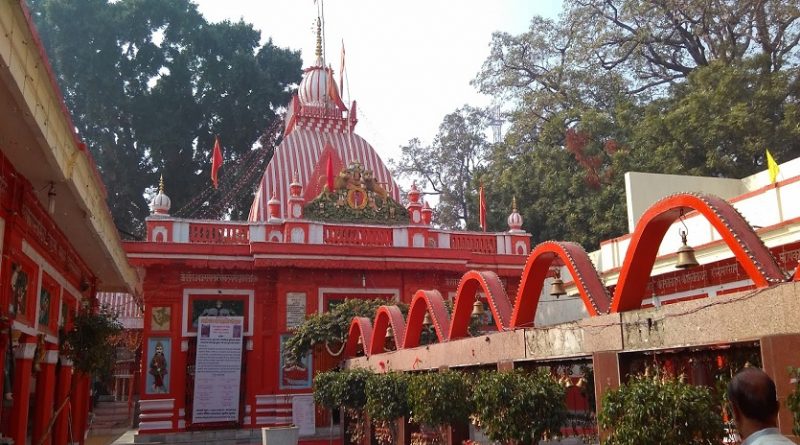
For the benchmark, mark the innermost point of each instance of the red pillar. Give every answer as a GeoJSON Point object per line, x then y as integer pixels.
{"type": "Point", "coordinates": [18, 424]}
{"type": "Point", "coordinates": [80, 407]}
{"type": "Point", "coordinates": [45, 392]}
{"type": "Point", "coordinates": [60, 430]}
{"type": "Point", "coordinates": [778, 353]}
{"type": "Point", "coordinates": [606, 377]}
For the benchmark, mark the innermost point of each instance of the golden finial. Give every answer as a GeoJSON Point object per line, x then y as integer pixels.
{"type": "Point", "coordinates": [513, 204]}
{"type": "Point", "coordinates": [319, 39]}
{"type": "Point", "coordinates": [161, 184]}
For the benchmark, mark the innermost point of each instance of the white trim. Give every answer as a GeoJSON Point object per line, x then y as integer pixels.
{"type": "Point", "coordinates": [179, 256]}
{"type": "Point", "coordinates": [250, 293]}
{"type": "Point", "coordinates": [353, 290]}
{"type": "Point", "coordinates": [358, 258]}
{"type": "Point", "coordinates": [28, 250]}
{"type": "Point", "coordinates": [25, 329]}
{"type": "Point", "coordinates": [495, 266]}
{"type": "Point", "coordinates": [156, 404]}
{"type": "Point", "coordinates": [25, 351]}
{"type": "Point", "coordinates": [50, 357]}
{"type": "Point", "coordinates": [146, 426]}
{"type": "Point", "coordinates": [38, 298]}
{"type": "Point", "coordinates": [65, 361]}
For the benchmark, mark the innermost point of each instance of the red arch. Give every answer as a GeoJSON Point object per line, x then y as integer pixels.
{"type": "Point", "coordinates": [490, 284]}
{"type": "Point", "coordinates": [591, 289]}
{"type": "Point", "coordinates": [748, 248]}
{"type": "Point", "coordinates": [426, 301]}
{"type": "Point", "coordinates": [385, 317]}
{"type": "Point", "coordinates": [360, 328]}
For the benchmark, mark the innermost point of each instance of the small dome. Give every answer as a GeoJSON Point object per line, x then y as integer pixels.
{"type": "Point", "coordinates": [313, 90]}
{"type": "Point", "coordinates": [514, 219]}
{"type": "Point", "coordinates": [413, 194]}
{"type": "Point", "coordinates": [161, 202]}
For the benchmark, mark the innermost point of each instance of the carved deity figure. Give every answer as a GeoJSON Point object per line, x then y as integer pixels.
{"type": "Point", "coordinates": [158, 369]}
{"type": "Point", "coordinates": [19, 290]}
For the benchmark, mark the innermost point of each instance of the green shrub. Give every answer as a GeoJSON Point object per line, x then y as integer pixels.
{"type": "Point", "coordinates": [658, 410]}
{"type": "Point", "coordinates": [439, 398]}
{"type": "Point", "coordinates": [519, 406]}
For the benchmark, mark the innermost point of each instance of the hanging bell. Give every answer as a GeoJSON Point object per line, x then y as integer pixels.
{"type": "Point", "coordinates": [427, 322]}
{"type": "Point", "coordinates": [581, 382]}
{"type": "Point", "coordinates": [389, 333]}
{"type": "Point", "coordinates": [557, 287]}
{"type": "Point", "coordinates": [568, 383]}
{"type": "Point", "coordinates": [477, 309]}
{"type": "Point", "coordinates": [686, 257]}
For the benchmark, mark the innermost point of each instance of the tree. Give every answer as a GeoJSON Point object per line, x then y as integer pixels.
{"type": "Point", "coordinates": [614, 86]}
{"type": "Point", "coordinates": [150, 83]}
{"type": "Point", "coordinates": [658, 409]}
{"type": "Point", "coordinates": [450, 165]}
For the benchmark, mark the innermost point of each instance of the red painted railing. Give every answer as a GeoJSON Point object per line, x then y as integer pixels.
{"type": "Point", "coordinates": [473, 242]}
{"type": "Point", "coordinates": [217, 233]}
{"type": "Point", "coordinates": [358, 236]}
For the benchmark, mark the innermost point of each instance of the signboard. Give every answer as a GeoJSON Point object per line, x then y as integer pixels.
{"type": "Point", "coordinates": [295, 309]}
{"type": "Point", "coordinates": [218, 369]}
{"type": "Point", "coordinates": [303, 414]}
{"type": "Point", "coordinates": [294, 375]}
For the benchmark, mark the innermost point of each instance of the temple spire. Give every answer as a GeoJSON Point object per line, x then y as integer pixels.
{"type": "Point", "coordinates": [161, 184]}
{"type": "Point", "coordinates": [318, 51]}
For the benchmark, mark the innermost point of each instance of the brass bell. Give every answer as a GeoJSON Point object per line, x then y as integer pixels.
{"type": "Point", "coordinates": [557, 287]}
{"type": "Point", "coordinates": [686, 257]}
{"type": "Point", "coordinates": [477, 309]}
{"type": "Point", "coordinates": [568, 382]}
{"type": "Point", "coordinates": [581, 382]}
{"type": "Point", "coordinates": [427, 322]}
{"type": "Point", "coordinates": [389, 333]}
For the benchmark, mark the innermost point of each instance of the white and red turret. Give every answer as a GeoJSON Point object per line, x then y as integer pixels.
{"type": "Point", "coordinates": [514, 219]}
{"type": "Point", "coordinates": [161, 202]}
{"type": "Point", "coordinates": [414, 206]}
{"type": "Point", "coordinates": [296, 199]}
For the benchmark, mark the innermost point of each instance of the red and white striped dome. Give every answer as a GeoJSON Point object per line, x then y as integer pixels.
{"type": "Point", "coordinates": [313, 90]}
{"type": "Point", "coordinates": [514, 219]}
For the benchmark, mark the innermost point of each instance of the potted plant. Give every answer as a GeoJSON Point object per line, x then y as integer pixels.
{"type": "Point", "coordinates": [387, 401]}
{"type": "Point", "coordinates": [437, 399]}
{"type": "Point", "coordinates": [518, 407]}
{"type": "Point", "coordinates": [793, 400]}
{"type": "Point", "coordinates": [660, 409]}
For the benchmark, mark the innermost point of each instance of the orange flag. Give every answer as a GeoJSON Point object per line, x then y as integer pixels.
{"type": "Point", "coordinates": [482, 208]}
{"type": "Point", "coordinates": [216, 161]}
{"type": "Point", "coordinates": [333, 93]}
{"type": "Point", "coordinates": [341, 72]}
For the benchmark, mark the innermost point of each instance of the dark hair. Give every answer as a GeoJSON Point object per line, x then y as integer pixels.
{"type": "Point", "coordinates": [752, 391]}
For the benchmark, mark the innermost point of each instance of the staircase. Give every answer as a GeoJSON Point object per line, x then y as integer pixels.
{"type": "Point", "coordinates": [110, 418]}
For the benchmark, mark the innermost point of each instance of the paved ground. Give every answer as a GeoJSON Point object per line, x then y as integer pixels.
{"type": "Point", "coordinates": [121, 439]}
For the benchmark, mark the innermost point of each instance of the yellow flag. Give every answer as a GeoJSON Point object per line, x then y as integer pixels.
{"type": "Point", "coordinates": [773, 168]}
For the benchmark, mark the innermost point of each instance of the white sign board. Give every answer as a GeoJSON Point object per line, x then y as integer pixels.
{"type": "Point", "coordinates": [218, 369]}
{"type": "Point", "coordinates": [303, 414]}
{"type": "Point", "coordinates": [295, 309]}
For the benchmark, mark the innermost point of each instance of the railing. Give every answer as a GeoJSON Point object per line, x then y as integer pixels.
{"type": "Point", "coordinates": [473, 243]}
{"type": "Point", "coordinates": [219, 233]}
{"type": "Point", "coordinates": [358, 236]}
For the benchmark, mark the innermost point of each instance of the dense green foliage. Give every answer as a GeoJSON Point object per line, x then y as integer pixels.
{"type": "Point", "coordinates": [91, 342]}
{"type": "Point", "coordinates": [329, 327]}
{"type": "Point", "coordinates": [439, 398]}
{"type": "Point", "coordinates": [149, 83]}
{"type": "Point", "coordinates": [655, 410]}
{"type": "Point", "coordinates": [613, 86]}
{"type": "Point", "coordinates": [519, 406]}
{"type": "Point", "coordinates": [387, 396]}
{"type": "Point", "coordinates": [793, 400]}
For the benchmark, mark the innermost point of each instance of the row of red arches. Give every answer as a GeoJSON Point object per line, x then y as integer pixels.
{"type": "Point", "coordinates": [757, 261]}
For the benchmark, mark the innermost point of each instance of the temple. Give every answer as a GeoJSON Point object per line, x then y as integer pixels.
{"type": "Point", "coordinates": [327, 224]}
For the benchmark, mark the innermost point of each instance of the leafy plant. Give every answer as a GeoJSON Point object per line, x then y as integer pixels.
{"type": "Point", "coordinates": [439, 398]}
{"type": "Point", "coordinates": [519, 406]}
{"type": "Point", "coordinates": [793, 400]}
{"type": "Point", "coordinates": [655, 410]}
{"type": "Point", "coordinates": [328, 327]}
{"type": "Point", "coordinates": [387, 400]}
{"type": "Point", "coordinates": [344, 389]}
{"type": "Point", "coordinates": [91, 341]}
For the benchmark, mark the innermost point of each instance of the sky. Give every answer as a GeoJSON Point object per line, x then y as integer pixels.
{"type": "Point", "coordinates": [408, 63]}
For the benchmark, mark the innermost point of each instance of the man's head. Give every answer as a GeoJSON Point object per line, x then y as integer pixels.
{"type": "Point", "coordinates": [753, 398]}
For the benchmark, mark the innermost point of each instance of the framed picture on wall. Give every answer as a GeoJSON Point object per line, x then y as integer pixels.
{"type": "Point", "coordinates": [48, 303]}
{"type": "Point", "coordinates": [294, 375]}
{"type": "Point", "coordinates": [159, 352]}
{"type": "Point", "coordinates": [22, 283]}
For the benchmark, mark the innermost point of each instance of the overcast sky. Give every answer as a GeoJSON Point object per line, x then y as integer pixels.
{"type": "Point", "coordinates": [409, 63]}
